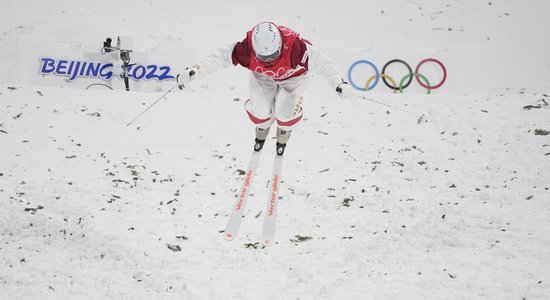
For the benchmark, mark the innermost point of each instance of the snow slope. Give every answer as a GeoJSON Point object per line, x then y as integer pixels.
{"type": "Point", "coordinates": [442, 196]}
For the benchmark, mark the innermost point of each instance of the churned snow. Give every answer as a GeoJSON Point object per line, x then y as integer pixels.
{"type": "Point", "coordinates": [442, 196]}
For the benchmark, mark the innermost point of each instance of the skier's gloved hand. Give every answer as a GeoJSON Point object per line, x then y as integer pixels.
{"type": "Point", "coordinates": [187, 75]}
{"type": "Point", "coordinates": [345, 90]}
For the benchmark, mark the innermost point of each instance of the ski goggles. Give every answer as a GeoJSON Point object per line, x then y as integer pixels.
{"type": "Point", "coordinates": [269, 58]}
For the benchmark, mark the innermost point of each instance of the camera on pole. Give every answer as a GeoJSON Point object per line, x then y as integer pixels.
{"type": "Point", "coordinates": [124, 56]}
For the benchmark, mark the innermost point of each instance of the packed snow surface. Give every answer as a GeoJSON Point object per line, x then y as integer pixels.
{"type": "Point", "coordinates": [384, 196]}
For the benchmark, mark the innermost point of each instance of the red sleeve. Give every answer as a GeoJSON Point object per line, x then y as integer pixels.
{"type": "Point", "coordinates": [241, 53]}
{"type": "Point", "coordinates": [299, 49]}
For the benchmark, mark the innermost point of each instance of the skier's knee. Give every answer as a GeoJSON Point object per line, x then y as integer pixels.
{"type": "Point", "coordinates": [288, 124]}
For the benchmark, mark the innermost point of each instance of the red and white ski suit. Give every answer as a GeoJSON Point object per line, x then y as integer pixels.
{"type": "Point", "coordinates": [277, 88]}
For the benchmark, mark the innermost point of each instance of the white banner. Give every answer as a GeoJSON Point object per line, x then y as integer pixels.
{"type": "Point", "coordinates": [81, 62]}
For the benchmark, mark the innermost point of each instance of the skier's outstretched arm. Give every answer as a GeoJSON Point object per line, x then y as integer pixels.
{"type": "Point", "coordinates": [220, 59]}
{"type": "Point", "coordinates": [320, 64]}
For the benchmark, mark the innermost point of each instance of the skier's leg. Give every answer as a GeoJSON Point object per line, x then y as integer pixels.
{"type": "Point", "coordinates": [259, 107]}
{"type": "Point", "coordinates": [288, 108]}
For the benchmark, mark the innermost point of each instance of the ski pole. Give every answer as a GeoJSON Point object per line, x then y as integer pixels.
{"type": "Point", "coordinates": [161, 97]}
{"type": "Point", "coordinates": [391, 106]}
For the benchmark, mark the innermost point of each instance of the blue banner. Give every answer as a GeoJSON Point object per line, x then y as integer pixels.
{"type": "Point", "coordinates": [89, 69]}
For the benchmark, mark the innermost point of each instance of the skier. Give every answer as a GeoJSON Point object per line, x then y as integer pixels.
{"type": "Point", "coordinates": [281, 62]}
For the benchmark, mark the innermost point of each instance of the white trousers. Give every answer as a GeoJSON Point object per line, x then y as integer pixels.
{"type": "Point", "coordinates": [279, 101]}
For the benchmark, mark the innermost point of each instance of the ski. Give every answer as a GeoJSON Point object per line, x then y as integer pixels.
{"type": "Point", "coordinates": [268, 230]}
{"type": "Point", "coordinates": [236, 214]}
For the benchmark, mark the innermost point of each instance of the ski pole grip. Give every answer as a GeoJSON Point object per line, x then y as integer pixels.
{"type": "Point", "coordinates": [339, 86]}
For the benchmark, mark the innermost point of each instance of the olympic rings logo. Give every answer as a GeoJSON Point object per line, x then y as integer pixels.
{"type": "Point", "coordinates": [393, 84]}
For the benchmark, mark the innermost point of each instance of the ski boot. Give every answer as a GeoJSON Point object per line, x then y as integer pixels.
{"type": "Point", "coordinates": [261, 135]}
{"type": "Point", "coordinates": [282, 139]}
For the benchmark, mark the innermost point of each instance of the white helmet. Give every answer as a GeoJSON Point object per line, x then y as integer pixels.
{"type": "Point", "coordinates": [266, 41]}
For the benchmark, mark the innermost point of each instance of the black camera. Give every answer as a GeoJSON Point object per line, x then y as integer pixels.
{"type": "Point", "coordinates": [107, 45]}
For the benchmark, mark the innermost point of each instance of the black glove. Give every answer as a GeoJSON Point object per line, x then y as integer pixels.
{"type": "Point", "coordinates": [345, 90]}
